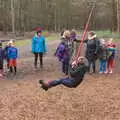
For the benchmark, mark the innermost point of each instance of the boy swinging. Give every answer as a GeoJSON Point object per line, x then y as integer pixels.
{"type": "Point", "coordinates": [77, 72]}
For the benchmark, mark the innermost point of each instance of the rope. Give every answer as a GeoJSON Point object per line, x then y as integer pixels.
{"type": "Point", "coordinates": [84, 35]}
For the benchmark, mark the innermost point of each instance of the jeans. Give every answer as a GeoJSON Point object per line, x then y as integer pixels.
{"type": "Point", "coordinates": [36, 59]}
{"type": "Point", "coordinates": [65, 67]}
{"type": "Point", "coordinates": [103, 64]}
{"type": "Point", "coordinates": [93, 64]}
{"type": "Point", "coordinates": [65, 81]}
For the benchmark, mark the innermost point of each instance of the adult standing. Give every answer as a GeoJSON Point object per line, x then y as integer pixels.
{"type": "Point", "coordinates": [38, 47]}
{"type": "Point", "coordinates": [92, 51]}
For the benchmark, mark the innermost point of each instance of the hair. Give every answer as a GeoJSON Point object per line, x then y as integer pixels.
{"type": "Point", "coordinates": [73, 32]}
{"type": "Point", "coordinates": [39, 31]}
{"type": "Point", "coordinates": [92, 33]}
{"type": "Point", "coordinates": [66, 33]}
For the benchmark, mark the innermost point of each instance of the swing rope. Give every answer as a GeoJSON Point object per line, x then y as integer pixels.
{"type": "Point", "coordinates": [84, 35]}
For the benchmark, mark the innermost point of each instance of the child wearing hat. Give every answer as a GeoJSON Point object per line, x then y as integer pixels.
{"type": "Point", "coordinates": [63, 52]}
{"type": "Point", "coordinates": [111, 50]}
{"type": "Point", "coordinates": [1, 59]}
{"type": "Point", "coordinates": [38, 47]}
{"type": "Point", "coordinates": [12, 56]}
{"type": "Point", "coordinates": [103, 56]}
{"type": "Point", "coordinates": [77, 72]}
{"type": "Point", "coordinates": [6, 53]}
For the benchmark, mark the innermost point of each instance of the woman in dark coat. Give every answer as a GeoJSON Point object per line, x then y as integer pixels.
{"type": "Point", "coordinates": [92, 50]}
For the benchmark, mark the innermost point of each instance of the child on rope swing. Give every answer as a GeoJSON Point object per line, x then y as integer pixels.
{"type": "Point", "coordinates": [77, 72]}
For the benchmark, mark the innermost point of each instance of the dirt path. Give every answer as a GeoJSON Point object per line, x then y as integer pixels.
{"type": "Point", "coordinates": [97, 98]}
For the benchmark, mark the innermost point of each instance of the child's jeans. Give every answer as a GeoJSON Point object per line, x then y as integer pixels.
{"type": "Point", "coordinates": [103, 66]}
{"type": "Point", "coordinates": [65, 67]}
{"type": "Point", "coordinates": [65, 81]}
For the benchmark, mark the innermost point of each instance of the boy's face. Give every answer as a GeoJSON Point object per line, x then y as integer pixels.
{"type": "Point", "coordinates": [81, 60]}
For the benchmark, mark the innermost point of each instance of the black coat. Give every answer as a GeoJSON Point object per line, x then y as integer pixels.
{"type": "Point", "coordinates": [92, 49]}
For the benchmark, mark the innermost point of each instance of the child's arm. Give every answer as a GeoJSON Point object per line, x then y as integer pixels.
{"type": "Point", "coordinates": [44, 44]}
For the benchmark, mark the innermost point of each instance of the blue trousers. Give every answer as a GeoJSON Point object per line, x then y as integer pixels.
{"type": "Point", "coordinates": [103, 64]}
{"type": "Point", "coordinates": [65, 67]}
{"type": "Point", "coordinates": [65, 81]}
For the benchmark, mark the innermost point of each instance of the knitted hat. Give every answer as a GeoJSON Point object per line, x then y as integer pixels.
{"type": "Point", "coordinates": [38, 30]}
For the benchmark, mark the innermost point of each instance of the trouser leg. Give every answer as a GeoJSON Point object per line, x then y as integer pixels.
{"type": "Point", "coordinates": [11, 69]}
{"type": "Point", "coordinates": [66, 82]}
{"type": "Point", "coordinates": [104, 66]}
{"type": "Point", "coordinates": [35, 59]}
{"type": "Point", "coordinates": [94, 66]}
{"type": "Point", "coordinates": [89, 65]}
{"type": "Point", "coordinates": [101, 66]}
{"type": "Point", "coordinates": [41, 59]}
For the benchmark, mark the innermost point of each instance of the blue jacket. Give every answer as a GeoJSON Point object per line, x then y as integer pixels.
{"type": "Point", "coordinates": [6, 52]}
{"type": "Point", "coordinates": [1, 54]}
{"type": "Point", "coordinates": [38, 44]}
{"type": "Point", "coordinates": [12, 53]}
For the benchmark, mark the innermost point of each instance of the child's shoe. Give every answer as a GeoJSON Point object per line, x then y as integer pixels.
{"type": "Point", "coordinates": [101, 72]}
{"type": "Point", "coordinates": [44, 86]}
{"type": "Point", "coordinates": [41, 81]}
{"type": "Point", "coordinates": [111, 72]}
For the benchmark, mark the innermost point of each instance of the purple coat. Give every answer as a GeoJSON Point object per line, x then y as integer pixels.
{"type": "Point", "coordinates": [62, 52]}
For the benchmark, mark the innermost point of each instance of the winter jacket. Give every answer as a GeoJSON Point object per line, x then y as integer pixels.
{"type": "Point", "coordinates": [12, 53]}
{"type": "Point", "coordinates": [103, 55]}
{"type": "Point", "coordinates": [1, 54]}
{"type": "Point", "coordinates": [62, 52]}
{"type": "Point", "coordinates": [38, 44]}
{"type": "Point", "coordinates": [6, 52]}
{"type": "Point", "coordinates": [111, 53]}
{"type": "Point", "coordinates": [92, 49]}
{"type": "Point", "coordinates": [77, 73]}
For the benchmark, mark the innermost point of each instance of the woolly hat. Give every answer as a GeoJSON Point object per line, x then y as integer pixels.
{"type": "Point", "coordinates": [102, 41]}
{"type": "Point", "coordinates": [38, 29]}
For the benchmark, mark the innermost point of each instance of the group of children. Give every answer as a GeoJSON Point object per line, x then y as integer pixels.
{"type": "Point", "coordinates": [76, 70]}
{"type": "Point", "coordinates": [9, 53]}
{"type": "Point", "coordinates": [107, 56]}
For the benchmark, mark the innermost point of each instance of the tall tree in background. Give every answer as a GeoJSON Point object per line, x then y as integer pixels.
{"type": "Point", "coordinates": [13, 17]}
{"type": "Point", "coordinates": [24, 15]}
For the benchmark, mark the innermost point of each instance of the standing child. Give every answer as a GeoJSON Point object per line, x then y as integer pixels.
{"type": "Point", "coordinates": [103, 56]}
{"type": "Point", "coordinates": [111, 50]}
{"type": "Point", "coordinates": [63, 52]}
{"type": "Point", "coordinates": [1, 59]}
{"type": "Point", "coordinates": [6, 53]}
{"type": "Point", "coordinates": [12, 56]}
